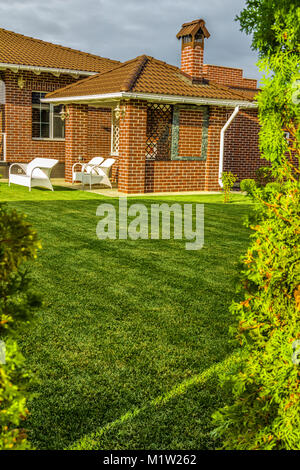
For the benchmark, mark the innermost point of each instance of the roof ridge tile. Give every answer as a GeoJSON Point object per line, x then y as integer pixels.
{"type": "Point", "coordinates": [131, 80]}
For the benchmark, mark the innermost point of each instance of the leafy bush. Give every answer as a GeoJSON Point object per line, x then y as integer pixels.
{"type": "Point", "coordinates": [263, 175]}
{"type": "Point", "coordinates": [18, 244]}
{"type": "Point", "coordinates": [265, 412]}
{"type": "Point", "coordinates": [248, 185]}
{"type": "Point", "coordinates": [228, 180]}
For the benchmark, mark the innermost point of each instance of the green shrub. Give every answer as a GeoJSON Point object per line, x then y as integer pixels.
{"type": "Point", "coordinates": [248, 186]}
{"type": "Point", "coordinates": [264, 411]}
{"type": "Point", "coordinates": [228, 180]}
{"type": "Point", "coordinates": [18, 244]}
{"type": "Point", "coordinates": [263, 175]}
{"type": "Point", "coordinates": [273, 187]}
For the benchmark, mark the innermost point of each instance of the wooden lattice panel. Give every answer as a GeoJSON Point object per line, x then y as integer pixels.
{"type": "Point", "coordinates": [159, 131]}
{"type": "Point", "coordinates": [115, 136]}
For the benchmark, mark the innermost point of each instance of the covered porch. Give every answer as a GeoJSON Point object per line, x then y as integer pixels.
{"type": "Point", "coordinates": [163, 128]}
{"type": "Point", "coordinates": [157, 147]}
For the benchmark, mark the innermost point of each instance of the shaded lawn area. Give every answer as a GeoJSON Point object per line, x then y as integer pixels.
{"type": "Point", "coordinates": [126, 322]}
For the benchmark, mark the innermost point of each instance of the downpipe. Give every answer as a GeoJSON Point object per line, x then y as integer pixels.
{"type": "Point", "coordinates": [221, 159]}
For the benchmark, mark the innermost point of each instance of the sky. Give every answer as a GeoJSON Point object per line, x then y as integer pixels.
{"type": "Point", "coordinates": [124, 29]}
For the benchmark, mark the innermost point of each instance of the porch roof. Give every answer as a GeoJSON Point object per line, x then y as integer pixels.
{"type": "Point", "coordinates": [150, 77]}
{"type": "Point", "coordinates": [24, 52]}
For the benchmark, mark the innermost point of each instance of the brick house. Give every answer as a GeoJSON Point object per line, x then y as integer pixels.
{"type": "Point", "coordinates": [162, 124]}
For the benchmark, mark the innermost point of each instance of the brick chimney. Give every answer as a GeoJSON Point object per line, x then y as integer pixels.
{"type": "Point", "coordinates": [192, 37]}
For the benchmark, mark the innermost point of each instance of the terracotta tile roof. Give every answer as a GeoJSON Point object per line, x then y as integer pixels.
{"type": "Point", "coordinates": [192, 28]}
{"type": "Point", "coordinates": [249, 94]}
{"type": "Point", "coordinates": [148, 75]}
{"type": "Point", "coordinates": [24, 50]}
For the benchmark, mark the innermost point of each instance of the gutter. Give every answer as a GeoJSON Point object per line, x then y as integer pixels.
{"type": "Point", "coordinates": [38, 70]}
{"type": "Point", "coordinates": [235, 112]}
{"type": "Point", "coordinates": [170, 99]}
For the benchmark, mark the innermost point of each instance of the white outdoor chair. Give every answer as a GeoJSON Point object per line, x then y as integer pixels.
{"type": "Point", "coordinates": [85, 168]}
{"type": "Point", "coordinates": [36, 173]}
{"type": "Point", "coordinates": [99, 175]}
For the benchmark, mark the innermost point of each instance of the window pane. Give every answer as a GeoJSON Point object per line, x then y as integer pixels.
{"type": "Point", "coordinates": [45, 115]}
{"type": "Point", "coordinates": [36, 134]}
{"type": "Point", "coordinates": [57, 109]}
{"type": "Point", "coordinates": [58, 128]}
{"type": "Point", "coordinates": [45, 131]}
{"type": "Point", "coordinates": [35, 115]}
{"type": "Point", "coordinates": [36, 97]}
{"type": "Point", "coordinates": [40, 117]}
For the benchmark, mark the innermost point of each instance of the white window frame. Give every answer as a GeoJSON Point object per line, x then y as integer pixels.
{"type": "Point", "coordinates": [51, 118]}
{"type": "Point", "coordinates": [114, 153]}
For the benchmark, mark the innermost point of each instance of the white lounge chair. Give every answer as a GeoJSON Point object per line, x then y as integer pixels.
{"type": "Point", "coordinates": [99, 175]}
{"type": "Point", "coordinates": [35, 173]}
{"type": "Point", "coordinates": [85, 168]}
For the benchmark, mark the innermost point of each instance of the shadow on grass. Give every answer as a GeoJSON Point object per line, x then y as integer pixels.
{"type": "Point", "coordinates": [173, 419]}
{"type": "Point", "coordinates": [124, 322]}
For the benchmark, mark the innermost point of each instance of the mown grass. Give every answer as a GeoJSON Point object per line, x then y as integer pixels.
{"type": "Point", "coordinates": [126, 322]}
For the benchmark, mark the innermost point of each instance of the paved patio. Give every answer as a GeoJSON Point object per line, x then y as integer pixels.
{"type": "Point", "coordinates": [105, 191]}
{"type": "Point", "coordinates": [115, 193]}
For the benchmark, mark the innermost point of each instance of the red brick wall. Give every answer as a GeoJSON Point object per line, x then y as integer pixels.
{"type": "Point", "coordinates": [175, 176]}
{"type": "Point", "coordinates": [132, 146]}
{"type": "Point", "coordinates": [217, 120]}
{"type": "Point", "coordinates": [180, 175]}
{"type": "Point", "coordinates": [18, 121]}
{"type": "Point", "coordinates": [190, 133]}
{"type": "Point", "coordinates": [138, 175]}
{"type": "Point", "coordinates": [18, 117]}
{"type": "Point", "coordinates": [241, 149]}
{"type": "Point", "coordinates": [99, 132]}
{"type": "Point", "coordinates": [228, 76]}
{"type": "Point", "coordinates": [99, 137]}
{"type": "Point", "coordinates": [241, 153]}
{"type": "Point", "coordinates": [192, 61]}
{"type": "Point", "coordinates": [1, 130]}
{"type": "Point", "coordinates": [76, 137]}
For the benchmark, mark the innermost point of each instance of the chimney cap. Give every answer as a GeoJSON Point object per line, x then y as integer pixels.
{"type": "Point", "coordinates": [192, 28]}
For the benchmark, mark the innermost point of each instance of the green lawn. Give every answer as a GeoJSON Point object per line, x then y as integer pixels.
{"type": "Point", "coordinates": [127, 344]}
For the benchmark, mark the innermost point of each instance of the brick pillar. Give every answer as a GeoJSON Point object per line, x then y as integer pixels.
{"type": "Point", "coordinates": [132, 147]}
{"type": "Point", "coordinates": [192, 61]}
{"type": "Point", "coordinates": [76, 137]}
{"type": "Point", "coordinates": [217, 120]}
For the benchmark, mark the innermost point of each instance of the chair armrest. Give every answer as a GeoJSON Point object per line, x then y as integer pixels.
{"type": "Point", "coordinates": [92, 166]}
{"type": "Point", "coordinates": [23, 166]}
{"type": "Point", "coordinates": [78, 163]}
{"type": "Point", "coordinates": [39, 167]}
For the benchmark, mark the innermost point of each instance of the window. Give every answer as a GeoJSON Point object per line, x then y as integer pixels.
{"type": "Point", "coordinates": [46, 120]}
{"type": "Point", "coordinates": [115, 129]}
